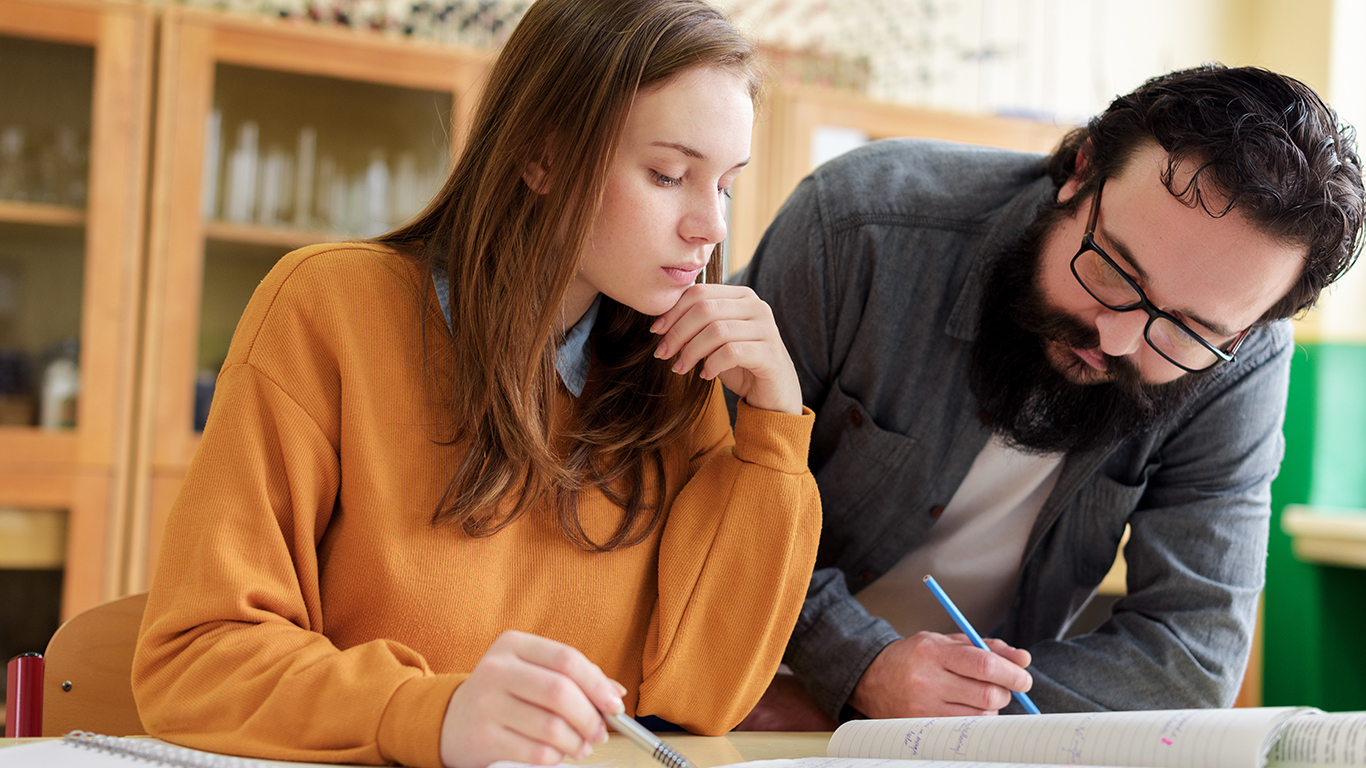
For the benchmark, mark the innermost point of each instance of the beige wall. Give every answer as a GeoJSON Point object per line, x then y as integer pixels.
{"type": "Point", "coordinates": [1293, 37]}
{"type": "Point", "coordinates": [1300, 39]}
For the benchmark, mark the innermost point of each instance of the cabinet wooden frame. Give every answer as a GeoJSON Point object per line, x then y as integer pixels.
{"type": "Point", "coordinates": [193, 43]}
{"type": "Point", "coordinates": [85, 470]}
{"type": "Point", "coordinates": [784, 131]}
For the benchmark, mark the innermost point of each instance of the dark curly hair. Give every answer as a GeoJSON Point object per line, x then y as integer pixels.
{"type": "Point", "coordinates": [1266, 142]}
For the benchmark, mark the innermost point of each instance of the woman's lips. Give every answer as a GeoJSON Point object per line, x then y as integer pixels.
{"type": "Point", "coordinates": [683, 275]}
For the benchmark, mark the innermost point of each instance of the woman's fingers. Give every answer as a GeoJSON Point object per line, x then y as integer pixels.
{"type": "Point", "coordinates": [731, 332]}
{"type": "Point", "coordinates": [529, 699]}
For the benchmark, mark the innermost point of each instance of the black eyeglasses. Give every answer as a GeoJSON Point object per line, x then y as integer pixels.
{"type": "Point", "coordinates": [1114, 289]}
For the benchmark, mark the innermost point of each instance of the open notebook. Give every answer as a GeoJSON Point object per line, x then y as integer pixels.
{"type": "Point", "coordinates": [1271, 737]}
{"type": "Point", "coordinates": [1274, 737]}
{"type": "Point", "coordinates": [79, 749]}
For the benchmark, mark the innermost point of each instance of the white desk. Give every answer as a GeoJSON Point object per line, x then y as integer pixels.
{"type": "Point", "coordinates": [711, 751]}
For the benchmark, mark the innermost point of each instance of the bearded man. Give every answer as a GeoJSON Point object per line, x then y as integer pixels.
{"type": "Point", "coordinates": [1014, 357]}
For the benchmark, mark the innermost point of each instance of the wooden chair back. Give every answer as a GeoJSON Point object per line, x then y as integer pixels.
{"type": "Point", "coordinates": [88, 674]}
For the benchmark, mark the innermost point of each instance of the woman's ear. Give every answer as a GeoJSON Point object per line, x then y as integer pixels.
{"type": "Point", "coordinates": [537, 177]}
{"type": "Point", "coordinates": [537, 171]}
{"type": "Point", "coordinates": [1079, 173]}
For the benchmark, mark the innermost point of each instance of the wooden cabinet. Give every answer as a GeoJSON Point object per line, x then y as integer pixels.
{"type": "Point", "coordinates": [270, 135]}
{"type": "Point", "coordinates": [74, 126]}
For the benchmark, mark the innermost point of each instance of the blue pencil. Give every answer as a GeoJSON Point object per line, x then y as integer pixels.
{"type": "Point", "coordinates": [962, 622]}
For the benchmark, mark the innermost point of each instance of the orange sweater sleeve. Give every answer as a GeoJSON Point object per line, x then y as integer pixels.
{"type": "Point", "coordinates": [232, 654]}
{"type": "Point", "coordinates": [734, 564]}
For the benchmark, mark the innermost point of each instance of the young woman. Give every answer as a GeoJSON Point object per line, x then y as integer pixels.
{"type": "Point", "coordinates": [469, 486]}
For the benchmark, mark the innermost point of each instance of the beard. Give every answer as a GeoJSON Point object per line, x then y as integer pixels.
{"type": "Point", "coordinates": [1024, 398]}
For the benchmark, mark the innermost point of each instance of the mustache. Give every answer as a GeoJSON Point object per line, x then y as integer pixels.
{"type": "Point", "coordinates": [1028, 312]}
{"type": "Point", "coordinates": [1046, 403]}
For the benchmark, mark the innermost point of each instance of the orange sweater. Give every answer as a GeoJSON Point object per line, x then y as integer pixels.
{"type": "Point", "coordinates": [304, 607]}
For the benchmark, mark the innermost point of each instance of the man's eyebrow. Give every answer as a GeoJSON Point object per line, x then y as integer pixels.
{"type": "Point", "coordinates": [690, 151]}
{"type": "Point", "coordinates": [1128, 256]}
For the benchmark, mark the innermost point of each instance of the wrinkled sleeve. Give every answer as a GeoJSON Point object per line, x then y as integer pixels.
{"type": "Point", "coordinates": [231, 655]}
{"type": "Point", "coordinates": [797, 271]}
{"type": "Point", "coordinates": [734, 560]}
{"type": "Point", "coordinates": [1196, 559]}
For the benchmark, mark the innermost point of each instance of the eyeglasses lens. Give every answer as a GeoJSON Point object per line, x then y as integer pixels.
{"type": "Point", "coordinates": [1111, 289]}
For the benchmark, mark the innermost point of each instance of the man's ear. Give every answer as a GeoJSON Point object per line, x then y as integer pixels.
{"type": "Point", "coordinates": [1079, 173]}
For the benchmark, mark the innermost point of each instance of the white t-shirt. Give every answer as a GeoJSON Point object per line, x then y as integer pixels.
{"type": "Point", "coordinates": [974, 550]}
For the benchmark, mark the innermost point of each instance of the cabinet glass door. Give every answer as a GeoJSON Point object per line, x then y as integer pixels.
{"type": "Point", "coordinates": [45, 103]}
{"type": "Point", "coordinates": [270, 136]}
{"type": "Point", "coordinates": [75, 108]}
{"type": "Point", "coordinates": [293, 159]}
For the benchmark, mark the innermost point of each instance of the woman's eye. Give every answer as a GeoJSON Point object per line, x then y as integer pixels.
{"type": "Point", "coordinates": [724, 192]}
{"type": "Point", "coordinates": [666, 181]}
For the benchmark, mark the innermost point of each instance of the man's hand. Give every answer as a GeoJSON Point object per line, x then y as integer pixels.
{"type": "Point", "coordinates": [934, 675]}
{"type": "Point", "coordinates": [786, 706]}
{"type": "Point", "coordinates": [733, 330]}
{"type": "Point", "coordinates": [529, 699]}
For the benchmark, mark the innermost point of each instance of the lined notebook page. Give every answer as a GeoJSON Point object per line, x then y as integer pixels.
{"type": "Point", "coordinates": [1200, 738]}
{"type": "Point", "coordinates": [863, 762]}
{"type": "Point", "coordinates": [90, 751]}
{"type": "Point", "coordinates": [1337, 740]}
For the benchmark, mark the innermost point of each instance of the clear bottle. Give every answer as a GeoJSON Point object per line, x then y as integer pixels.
{"type": "Point", "coordinates": [61, 389]}
{"type": "Point", "coordinates": [13, 165]}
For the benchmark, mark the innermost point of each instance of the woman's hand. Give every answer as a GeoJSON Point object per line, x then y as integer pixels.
{"type": "Point", "coordinates": [732, 329]}
{"type": "Point", "coordinates": [529, 699]}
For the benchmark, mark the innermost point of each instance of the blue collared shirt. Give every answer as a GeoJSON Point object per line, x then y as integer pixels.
{"type": "Point", "coordinates": [571, 359]}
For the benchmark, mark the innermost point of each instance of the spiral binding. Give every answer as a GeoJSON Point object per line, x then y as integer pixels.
{"type": "Point", "coordinates": [152, 751]}
{"type": "Point", "coordinates": [666, 755]}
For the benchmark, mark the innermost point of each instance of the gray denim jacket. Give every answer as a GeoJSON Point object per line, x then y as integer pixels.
{"type": "Point", "coordinates": [873, 270]}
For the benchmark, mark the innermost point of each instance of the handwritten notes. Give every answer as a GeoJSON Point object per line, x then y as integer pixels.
{"type": "Point", "coordinates": [1327, 740]}
{"type": "Point", "coordinates": [1168, 739]}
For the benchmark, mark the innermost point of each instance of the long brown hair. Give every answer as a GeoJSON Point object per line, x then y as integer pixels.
{"type": "Point", "coordinates": [559, 95]}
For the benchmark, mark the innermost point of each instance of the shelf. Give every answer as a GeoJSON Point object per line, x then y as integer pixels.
{"type": "Point", "coordinates": [41, 213]}
{"type": "Point", "coordinates": [28, 446]}
{"type": "Point", "coordinates": [289, 238]}
{"type": "Point", "coordinates": [34, 538]}
{"type": "Point", "coordinates": [1327, 535]}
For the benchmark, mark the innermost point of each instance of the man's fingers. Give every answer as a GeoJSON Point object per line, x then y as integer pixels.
{"type": "Point", "coordinates": [988, 668]}
{"type": "Point", "coordinates": [1018, 656]}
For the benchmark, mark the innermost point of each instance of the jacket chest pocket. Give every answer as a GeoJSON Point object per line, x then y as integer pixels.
{"type": "Point", "coordinates": [867, 477]}
{"type": "Point", "coordinates": [1093, 530]}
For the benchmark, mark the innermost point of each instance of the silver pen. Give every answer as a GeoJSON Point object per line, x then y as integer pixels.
{"type": "Point", "coordinates": [628, 727]}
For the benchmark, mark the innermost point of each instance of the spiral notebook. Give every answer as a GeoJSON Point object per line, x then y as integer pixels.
{"type": "Point", "coordinates": [79, 749]}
